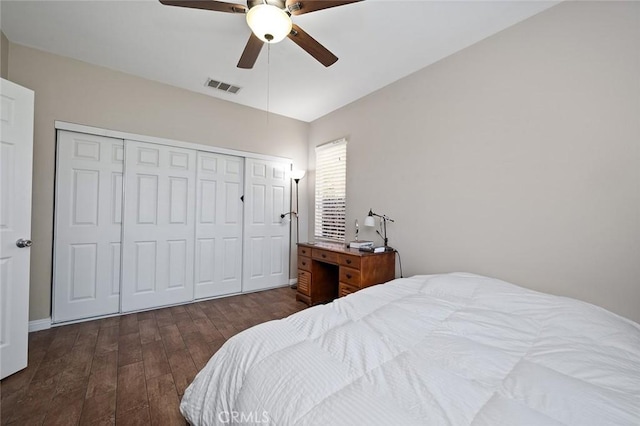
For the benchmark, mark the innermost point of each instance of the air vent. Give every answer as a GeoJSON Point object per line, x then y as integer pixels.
{"type": "Point", "coordinates": [225, 87]}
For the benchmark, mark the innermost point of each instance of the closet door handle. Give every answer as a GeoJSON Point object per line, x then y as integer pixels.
{"type": "Point", "coordinates": [23, 243]}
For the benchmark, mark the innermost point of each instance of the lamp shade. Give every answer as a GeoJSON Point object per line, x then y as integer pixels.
{"type": "Point", "coordinates": [297, 174]}
{"type": "Point", "coordinates": [369, 221]}
{"type": "Point", "coordinates": [269, 23]}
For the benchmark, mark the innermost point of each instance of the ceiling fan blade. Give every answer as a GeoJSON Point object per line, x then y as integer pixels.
{"type": "Point", "coordinates": [250, 53]}
{"type": "Point", "coordinates": [216, 6]}
{"type": "Point", "coordinates": [298, 7]}
{"type": "Point", "coordinates": [312, 47]}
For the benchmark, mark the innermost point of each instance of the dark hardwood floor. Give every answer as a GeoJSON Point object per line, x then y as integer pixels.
{"type": "Point", "coordinates": [132, 369]}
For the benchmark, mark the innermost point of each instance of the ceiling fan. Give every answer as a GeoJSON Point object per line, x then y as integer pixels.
{"type": "Point", "coordinates": [270, 22]}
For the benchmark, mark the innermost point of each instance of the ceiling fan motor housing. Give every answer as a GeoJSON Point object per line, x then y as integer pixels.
{"type": "Point", "coordinates": [277, 3]}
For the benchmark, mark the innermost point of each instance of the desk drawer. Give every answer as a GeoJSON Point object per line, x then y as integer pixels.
{"type": "Point", "coordinates": [344, 289]}
{"type": "Point", "coordinates": [304, 263]}
{"type": "Point", "coordinates": [350, 276]}
{"type": "Point", "coordinates": [325, 256]}
{"type": "Point", "coordinates": [304, 251]}
{"type": "Point", "coordinates": [304, 282]}
{"type": "Point", "coordinates": [349, 260]}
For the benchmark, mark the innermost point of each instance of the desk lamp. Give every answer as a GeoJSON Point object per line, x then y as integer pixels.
{"type": "Point", "coordinates": [370, 221]}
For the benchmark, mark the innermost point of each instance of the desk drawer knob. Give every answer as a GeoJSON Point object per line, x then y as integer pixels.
{"type": "Point", "coordinates": [348, 276]}
{"type": "Point", "coordinates": [348, 261]}
{"type": "Point", "coordinates": [324, 255]}
{"type": "Point", "coordinates": [304, 263]}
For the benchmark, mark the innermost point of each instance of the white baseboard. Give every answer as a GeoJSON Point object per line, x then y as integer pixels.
{"type": "Point", "coordinates": [45, 323]}
{"type": "Point", "coordinates": [41, 324]}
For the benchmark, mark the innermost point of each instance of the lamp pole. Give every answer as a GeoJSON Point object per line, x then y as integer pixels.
{"type": "Point", "coordinates": [297, 211]}
{"type": "Point", "coordinates": [296, 175]}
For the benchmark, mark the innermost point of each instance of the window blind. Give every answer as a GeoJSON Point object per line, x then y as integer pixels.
{"type": "Point", "coordinates": [331, 190]}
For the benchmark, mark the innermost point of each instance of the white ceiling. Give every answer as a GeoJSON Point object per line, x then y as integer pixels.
{"type": "Point", "coordinates": [377, 41]}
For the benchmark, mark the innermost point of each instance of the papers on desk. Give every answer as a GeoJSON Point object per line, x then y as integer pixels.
{"type": "Point", "coordinates": [360, 243]}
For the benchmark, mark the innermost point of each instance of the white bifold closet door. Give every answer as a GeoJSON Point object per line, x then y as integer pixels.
{"type": "Point", "coordinates": [86, 274]}
{"type": "Point", "coordinates": [142, 225]}
{"type": "Point", "coordinates": [266, 237]}
{"type": "Point", "coordinates": [159, 226]}
{"type": "Point", "coordinates": [218, 268]}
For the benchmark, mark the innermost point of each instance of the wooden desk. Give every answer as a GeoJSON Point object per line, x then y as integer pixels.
{"type": "Point", "coordinates": [330, 270]}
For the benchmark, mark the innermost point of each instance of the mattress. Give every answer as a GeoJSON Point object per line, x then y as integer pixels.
{"type": "Point", "coordinates": [451, 349]}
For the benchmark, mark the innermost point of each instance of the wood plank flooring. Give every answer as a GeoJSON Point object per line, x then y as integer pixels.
{"type": "Point", "coordinates": [131, 369]}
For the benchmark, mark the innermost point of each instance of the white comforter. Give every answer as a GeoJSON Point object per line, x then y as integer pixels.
{"type": "Point", "coordinates": [454, 349]}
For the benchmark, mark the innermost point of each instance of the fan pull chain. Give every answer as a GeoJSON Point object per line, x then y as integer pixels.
{"type": "Point", "coordinates": [268, 81]}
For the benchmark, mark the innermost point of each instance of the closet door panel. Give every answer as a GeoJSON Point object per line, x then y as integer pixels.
{"type": "Point", "coordinates": [232, 250]}
{"type": "Point", "coordinates": [159, 226]}
{"type": "Point", "coordinates": [219, 225]}
{"type": "Point", "coordinates": [177, 263]}
{"type": "Point", "coordinates": [146, 199]}
{"type": "Point", "coordinates": [205, 250]}
{"type": "Point", "coordinates": [266, 236]}
{"type": "Point", "coordinates": [86, 272]}
{"type": "Point", "coordinates": [146, 256]}
{"type": "Point", "coordinates": [116, 197]}
{"type": "Point", "coordinates": [114, 270]}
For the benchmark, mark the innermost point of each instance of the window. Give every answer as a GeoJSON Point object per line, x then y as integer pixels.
{"type": "Point", "coordinates": [331, 190]}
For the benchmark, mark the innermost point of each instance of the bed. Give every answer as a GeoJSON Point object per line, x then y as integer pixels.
{"type": "Point", "coordinates": [450, 349]}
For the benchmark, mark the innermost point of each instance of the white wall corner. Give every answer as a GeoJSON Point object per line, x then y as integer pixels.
{"type": "Point", "coordinates": [41, 324]}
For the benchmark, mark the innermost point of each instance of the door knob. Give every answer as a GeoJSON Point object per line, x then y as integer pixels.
{"type": "Point", "coordinates": [22, 243]}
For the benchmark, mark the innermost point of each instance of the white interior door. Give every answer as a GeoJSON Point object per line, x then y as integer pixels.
{"type": "Point", "coordinates": [16, 154]}
{"type": "Point", "coordinates": [266, 238]}
{"type": "Point", "coordinates": [159, 225]}
{"type": "Point", "coordinates": [88, 224]}
{"type": "Point", "coordinates": [218, 268]}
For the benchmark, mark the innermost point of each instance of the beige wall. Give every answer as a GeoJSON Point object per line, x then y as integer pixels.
{"type": "Point", "coordinates": [4, 56]}
{"type": "Point", "coordinates": [77, 92]}
{"type": "Point", "coordinates": [518, 157]}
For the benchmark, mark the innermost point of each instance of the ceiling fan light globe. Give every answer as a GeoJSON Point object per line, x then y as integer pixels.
{"type": "Point", "coordinates": [269, 23]}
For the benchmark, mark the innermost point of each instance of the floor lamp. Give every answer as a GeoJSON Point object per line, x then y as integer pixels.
{"type": "Point", "coordinates": [296, 175]}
